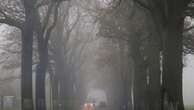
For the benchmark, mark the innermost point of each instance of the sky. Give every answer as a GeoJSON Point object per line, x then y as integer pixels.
{"type": "Point", "coordinates": [188, 80]}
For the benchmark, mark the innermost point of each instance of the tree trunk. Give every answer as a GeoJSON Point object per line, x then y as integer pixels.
{"type": "Point", "coordinates": [153, 77]}
{"type": "Point", "coordinates": [27, 41]}
{"type": "Point", "coordinates": [140, 77]}
{"type": "Point", "coordinates": [41, 68]}
{"type": "Point", "coordinates": [40, 79]}
{"type": "Point", "coordinates": [172, 66]}
{"type": "Point", "coordinates": [2, 102]}
{"type": "Point", "coordinates": [57, 43]}
{"type": "Point", "coordinates": [55, 91]}
{"type": "Point", "coordinates": [27, 71]}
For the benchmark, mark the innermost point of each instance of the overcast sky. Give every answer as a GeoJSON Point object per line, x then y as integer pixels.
{"type": "Point", "coordinates": [188, 80]}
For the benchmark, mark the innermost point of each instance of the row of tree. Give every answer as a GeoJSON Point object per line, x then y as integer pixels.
{"type": "Point", "coordinates": [37, 19]}
{"type": "Point", "coordinates": [34, 19]}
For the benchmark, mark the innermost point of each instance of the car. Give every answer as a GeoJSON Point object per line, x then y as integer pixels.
{"type": "Point", "coordinates": [92, 106]}
{"type": "Point", "coordinates": [88, 106]}
{"type": "Point", "coordinates": [96, 99]}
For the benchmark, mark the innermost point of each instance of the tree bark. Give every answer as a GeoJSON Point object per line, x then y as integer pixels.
{"type": "Point", "coordinates": [43, 36]}
{"type": "Point", "coordinates": [140, 86]}
{"type": "Point", "coordinates": [57, 45]}
{"type": "Point", "coordinates": [27, 41]}
{"type": "Point", "coordinates": [172, 66]}
{"type": "Point", "coordinates": [55, 91]}
{"type": "Point", "coordinates": [40, 78]}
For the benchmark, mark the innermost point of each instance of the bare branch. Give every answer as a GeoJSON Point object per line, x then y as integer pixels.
{"type": "Point", "coordinates": [10, 16]}
{"type": "Point", "coordinates": [46, 20]}
{"type": "Point", "coordinates": [42, 3]}
{"type": "Point", "coordinates": [188, 29]}
{"type": "Point", "coordinates": [143, 5]}
{"type": "Point", "coordinates": [4, 60]}
{"type": "Point", "coordinates": [12, 22]}
{"type": "Point", "coordinates": [54, 23]}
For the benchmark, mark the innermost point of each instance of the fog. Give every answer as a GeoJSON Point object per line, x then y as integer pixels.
{"type": "Point", "coordinates": [94, 53]}
{"type": "Point", "coordinates": [188, 82]}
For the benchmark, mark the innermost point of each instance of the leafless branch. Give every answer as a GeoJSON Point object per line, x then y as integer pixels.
{"type": "Point", "coordinates": [10, 21]}
{"type": "Point", "coordinates": [46, 20]}
{"type": "Point", "coordinates": [143, 5]}
{"type": "Point", "coordinates": [42, 3]}
{"type": "Point", "coordinates": [4, 60]}
{"type": "Point", "coordinates": [53, 24]}
{"type": "Point", "coordinates": [188, 29]}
